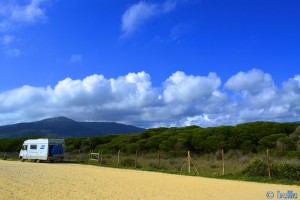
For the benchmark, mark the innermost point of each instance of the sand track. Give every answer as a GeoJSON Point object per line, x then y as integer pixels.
{"type": "Point", "coordinates": [72, 181]}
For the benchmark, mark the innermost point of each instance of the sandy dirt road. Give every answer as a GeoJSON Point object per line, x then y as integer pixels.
{"type": "Point", "coordinates": [72, 181]}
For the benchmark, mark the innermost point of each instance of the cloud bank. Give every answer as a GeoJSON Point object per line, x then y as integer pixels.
{"type": "Point", "coordinates": [182, 100]}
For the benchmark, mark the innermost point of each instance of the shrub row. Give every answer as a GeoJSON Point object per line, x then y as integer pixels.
{"type": "Point", "coordinates": [258, 168]}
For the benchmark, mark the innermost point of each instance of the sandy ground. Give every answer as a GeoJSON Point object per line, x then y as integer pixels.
{"type": "Point", "coordinates": [72, 181]}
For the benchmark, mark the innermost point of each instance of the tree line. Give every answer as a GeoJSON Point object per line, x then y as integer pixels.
{"type": "Point", "coordinates": [251, 137]}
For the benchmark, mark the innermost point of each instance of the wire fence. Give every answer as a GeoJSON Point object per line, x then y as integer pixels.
{"type": "Point", "coordinates": [213, 164]}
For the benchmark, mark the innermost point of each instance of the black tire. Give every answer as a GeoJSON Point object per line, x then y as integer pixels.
{"type": "Point", "coordinates": [22, 159]}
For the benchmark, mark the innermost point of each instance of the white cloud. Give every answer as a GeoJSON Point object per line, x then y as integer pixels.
{"type": "Point", "coordinates": [137, 14]}
{"type": "Point", "coordinates": [177, 31]}
{"type": "Point", "coordinates": [254, 89]}
{"type": "Point", "coordinates": [94, 98]}
{"type": "Point", "coordinates": [182, 88]}
{"type": "Point", "coordinates": [182, 100]}
{"type": "Point", "coordinates": [292, 85]}
{"type": "Point", "coordinates": [7, 39]}
{"type": "Point", "coordinates": [198, 119]}
{"type": "Point", "coordinates": [7, 44]}
{"type": "Point", "coordinates": [290, 96]}
{"type": "Point", "coordinates": [253, 81]}
{"type": "Point", "coordinates": [168, 6]}
{"type": "Point", "coordinates": [14, 14]}
{"type": "Point", "coordinates": [12, 52]}
{"type": "Point", "coordinates": [29, 13]}
{"type": "Point", "coordinates": [76, 58]}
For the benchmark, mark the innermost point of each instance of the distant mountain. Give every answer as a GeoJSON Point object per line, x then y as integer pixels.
{"type": "Point", "coordinates": [65, 127]}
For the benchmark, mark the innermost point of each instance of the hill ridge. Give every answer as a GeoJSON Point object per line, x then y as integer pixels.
{"type": "Point", "coordinates": [65, 127]}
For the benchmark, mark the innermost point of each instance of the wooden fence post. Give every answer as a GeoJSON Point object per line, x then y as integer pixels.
{"type": "Point", "coordinates": [118, 158]}
{"type": "Point", "coordinates": [90, 156]}
{"type": "Point", "coordinates": [269, 167]}
{"type": "Point", "coordinates": [78, 157]}
{"type": "Point", "coordinates": [101, 158]}
{"type": "Point", "coordinates": [135, 163]}
{"type": "Point", "coordinates": [223, 162]}
{"type": "Point", "coordinates": [189, 162]}
{"type": "Point", "coordinates": [158, 158]}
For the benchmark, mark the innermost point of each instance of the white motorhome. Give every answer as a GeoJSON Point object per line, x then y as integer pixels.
{"type": "Point", "coordinates": [42, 150]}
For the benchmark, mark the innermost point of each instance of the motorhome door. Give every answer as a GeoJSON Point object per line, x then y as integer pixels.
{"type": "Point", "coordinates": [24, 152]}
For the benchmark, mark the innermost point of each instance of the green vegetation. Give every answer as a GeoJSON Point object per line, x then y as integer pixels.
{"type": "Point", "coordinates": [258, 168]}
{"type": "Point", "coordinates": [249, 138]}
{"type": "Point", "coordinates": [254, 137]}
{"type": "Point", "coordinates": [244, 146]}
{"type": "Point", "coordinates": [13, 144]}
{"type": "Point", "coordinates": [252, 167]}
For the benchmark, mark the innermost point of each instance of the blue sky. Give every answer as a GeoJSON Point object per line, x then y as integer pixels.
{"type": "Point", "coordinates": [150, 63]}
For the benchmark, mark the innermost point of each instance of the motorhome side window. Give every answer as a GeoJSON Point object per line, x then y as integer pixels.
{"type": "Point", "coordinates": [33, 146]}
{"type": "Point", "coordinates": [24, 147]}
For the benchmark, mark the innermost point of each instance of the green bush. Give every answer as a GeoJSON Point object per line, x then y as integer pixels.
{"type": "Point", "coordinates": [256, 168]}
{"type": "Point", "coordinates": [269, 141]}
{"type": "Point", "coordinates": [285, 171]}
{"type": "Point", "coordinates": [244, 159]}
{"type": "Point", "coordinates": [213, 165]}
{"type": "Point", "coordinates": [218, 155]}
{"type": "Point", "coordinates": [127, 162]}
{"type": "Point", "coordinates": [287, 154]}
{"type": "Point", "coordinates": [233, 154]}
{"type": "Point", "coordinates": [285, 144]}
{"type": "Point", "coordinates": [154, 165]}
{"type": "Point", "coordinates": [293, 154]}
